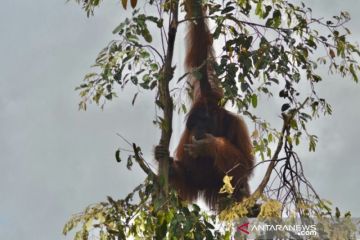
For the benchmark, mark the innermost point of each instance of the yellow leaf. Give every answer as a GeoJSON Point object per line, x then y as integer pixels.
{"type": "Point", "coordinates": [255, 134]}
{"type": "Point", "coordinates": [88, 224]}
{"type": "Point", "coordinates": [100, 217]}
{"type": "Point", "coordinates": [124, 3]}
{"type": "Point", "coordinates": [271, 208]}
{"type": "Point", "coordinates": [227, 188]}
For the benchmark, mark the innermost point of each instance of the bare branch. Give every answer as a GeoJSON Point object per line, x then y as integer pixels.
{"type": "Point", "coordinates": [140, 160]}
{"type": "Point", "coordinates": [275, 159]}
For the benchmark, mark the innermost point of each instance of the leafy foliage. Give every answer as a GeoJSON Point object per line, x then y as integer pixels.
{"type": "Point", "coordinates": [123, 219]}
{"type": "Point", "coordinates": [123, 61]}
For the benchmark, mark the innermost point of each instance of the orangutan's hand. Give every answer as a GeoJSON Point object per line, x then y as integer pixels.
{"type": "Point", "coordinates": [201, 147]}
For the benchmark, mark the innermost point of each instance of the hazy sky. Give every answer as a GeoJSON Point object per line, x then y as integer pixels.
{"type": "Point", "coordinates": [55, 160]}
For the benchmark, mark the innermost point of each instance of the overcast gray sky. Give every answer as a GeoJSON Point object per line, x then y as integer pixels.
{"type": "Point", "coordinates": [55, 160]}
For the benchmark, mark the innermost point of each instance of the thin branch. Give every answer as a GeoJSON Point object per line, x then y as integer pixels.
{"type": "Point", "coordinates": [259, 163]}
{"type": "Point", "coordinates": [140, 160]}
{"type": "Point", "coordinates": [152, 48]}
{"type": "Point", "coordinates": [193, 19]}
{"type": "Point", "coordinates": [162, 29]}
{"type": "Point", "coordinates": [238, 22]}
{"type": "Point", "coordinates": [274, 160]}
{"type": "Point", "coordinates": [137, 154]}
{"type": "Point", "coordinates": [124, 139]}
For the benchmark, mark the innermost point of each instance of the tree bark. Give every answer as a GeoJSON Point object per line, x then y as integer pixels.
{"type": "Point", "coordinates": [165, 98]}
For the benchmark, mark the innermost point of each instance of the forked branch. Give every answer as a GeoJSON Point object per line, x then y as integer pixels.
{"type": "Point", "coordinates": [274, 160]}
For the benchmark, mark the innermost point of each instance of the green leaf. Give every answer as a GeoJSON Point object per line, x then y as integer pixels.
{"type": "Point", "coordinates": [118, 28]}
{"type": "Point", "coordinates": [129, 162]}
{"type": "Point", "coordinates": [274, 80]}
{"type": "Point", "coordinates": [183, 107]}
{"type": "Point", "coordinates": [117, 155]}
{"type": "Point", "coordinates": [337, 213]}
{"type": "Point", "coordinates": [109, 96]}
{"type": "Point", "coordinates": [154, 67]}
{"type": "Point", "coordinates": [254, 100]}
{"type": "Point", "coordinates": [353, 73]}
{"type": "Point", "coordinates": [267, 11]}
{"type": "Point", "coordinates": [312, 143]}
{"type": "Point", "coordinates": [144, 54]}
{"type": "Point", "coordinates": [96, 2]}
{"type": "Point", "coordinates": [285, 107]}
{"type": "Point", "coordinates": [134, 98]}
{"type": "Point", "coordinates": [258, 10]}
{"type": "Point", "coordinates": [227, 9]}
{"type": "Point", "coordinates": [276, 18]}
{"type": "Point", "coordinates": [146, 35]}
{"type": "Point", "coordinates": [293, 124]}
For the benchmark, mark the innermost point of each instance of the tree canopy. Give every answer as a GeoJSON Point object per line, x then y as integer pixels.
{"type": "Point", "coordinates": [268, 49]}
